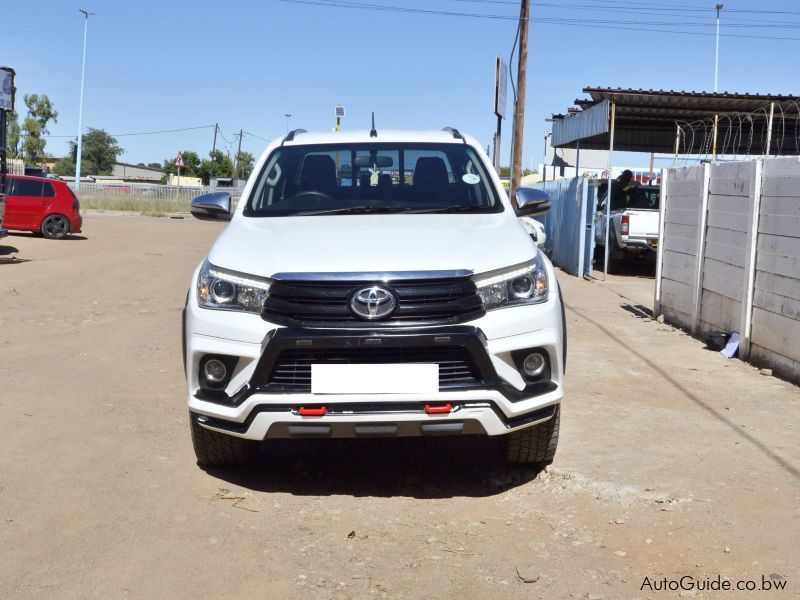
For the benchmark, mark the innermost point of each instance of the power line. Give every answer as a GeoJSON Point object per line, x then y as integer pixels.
{"type": "Point", "coordinates": [547, 21]}
{"type": "Point", "coordinates": [258, 137]}
{"type": "Point", "coordinates": [140, 132]}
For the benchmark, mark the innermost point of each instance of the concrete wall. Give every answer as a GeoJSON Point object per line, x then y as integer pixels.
{"type": "Point", "coordinates": [775, 335]}
{"type": "Point", "coordinates": [678, 243]}
{"type": "Point", "coordinates": [729, 256]}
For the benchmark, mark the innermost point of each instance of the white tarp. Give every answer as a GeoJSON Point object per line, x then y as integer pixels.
{"type": "Point", "coordinates": [585, 124]}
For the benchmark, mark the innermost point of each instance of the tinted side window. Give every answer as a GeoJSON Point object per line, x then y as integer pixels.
{"type": "Point", "coordinates": [27, 187]}
{"type": "Point", "coordinates": [47, 190]}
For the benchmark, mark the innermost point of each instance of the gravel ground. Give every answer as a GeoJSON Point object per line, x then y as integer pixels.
{"type": "Point", "coordinates": [673, 461]}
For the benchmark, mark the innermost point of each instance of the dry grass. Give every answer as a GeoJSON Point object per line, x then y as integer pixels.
{"type": "Point", "coordinates": [154, 207]}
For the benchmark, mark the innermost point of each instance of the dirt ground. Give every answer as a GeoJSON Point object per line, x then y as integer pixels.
{"type": "Point", "coordinates": [672, 462]}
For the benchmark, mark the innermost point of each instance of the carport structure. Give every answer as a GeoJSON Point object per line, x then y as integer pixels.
{"type": "Point", "coordinates": [658, 121]}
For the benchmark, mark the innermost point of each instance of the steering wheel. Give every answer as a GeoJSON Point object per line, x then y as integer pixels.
{"type": "Point", "coordinates": [312, 194]}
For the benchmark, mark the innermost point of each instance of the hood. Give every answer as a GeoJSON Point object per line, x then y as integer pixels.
{"type": "Point", "coordinates": [371, 243]}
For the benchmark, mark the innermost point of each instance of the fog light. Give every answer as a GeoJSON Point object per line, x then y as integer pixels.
{"type": "Point", "coordinates": [215, 370]}
{"type": "Point", "coordinates": [534, 364]}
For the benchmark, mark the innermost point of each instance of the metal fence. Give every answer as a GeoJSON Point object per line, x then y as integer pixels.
{"type": "Point", "coordinates": [131, 196]}
{"type": "Point", "coordinates": [568, 224]}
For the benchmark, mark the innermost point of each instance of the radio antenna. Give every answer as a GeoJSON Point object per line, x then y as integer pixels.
{"type": "Point", "coordinates": [373, 132]}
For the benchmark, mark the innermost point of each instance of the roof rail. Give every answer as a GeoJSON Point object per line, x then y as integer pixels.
{"type": "Point", "coordinates": [290, 136]}
{"type": "Point", "coordinates": [455, 132]}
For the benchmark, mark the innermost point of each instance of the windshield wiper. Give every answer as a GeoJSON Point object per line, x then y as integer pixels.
{"type": "Point", "coordinates": [351, 210]}
{"type": "Point", "coordinates": [451, 209]}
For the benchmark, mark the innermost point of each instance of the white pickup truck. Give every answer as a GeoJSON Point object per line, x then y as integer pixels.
{"type": "Point", "coordinates": [396, 294]}
{"type": "Point", "coordinates": [634, 225]}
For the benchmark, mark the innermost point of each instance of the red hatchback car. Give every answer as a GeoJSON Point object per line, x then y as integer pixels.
{"type": "Point", "coordinates": [46, 206]}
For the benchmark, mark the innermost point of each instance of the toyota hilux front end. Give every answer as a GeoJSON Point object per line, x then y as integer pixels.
{"type": "Point", "coordinates": [373, 286]}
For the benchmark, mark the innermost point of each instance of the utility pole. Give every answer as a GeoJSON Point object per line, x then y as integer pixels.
{"type": "Point", "coordinates": [288, 116]}
{"type": "Point", "coordinates": [519, 106]}
{"type": "Point", "coordinates": [238, 153]}
{"type": "Point", "coordinates": [214, 145]}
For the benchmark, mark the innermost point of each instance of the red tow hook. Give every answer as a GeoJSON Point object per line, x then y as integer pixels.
{"type": "Point", "coordinates": [312, 412]}
{"type": "Point", "coordinates": [438, 409]}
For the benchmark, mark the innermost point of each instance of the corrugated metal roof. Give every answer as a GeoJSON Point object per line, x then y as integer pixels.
{"type": "Point", "coordinates": [646, 119]}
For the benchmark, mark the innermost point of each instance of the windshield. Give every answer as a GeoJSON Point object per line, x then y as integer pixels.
{"type": "Point", "coordinates": [371, 178]}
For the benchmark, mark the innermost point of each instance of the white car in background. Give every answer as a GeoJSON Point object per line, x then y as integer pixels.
{"type": "Point", "coordinates": [373, 284]}
{"type": "Point", "coordinates": [535, 229]}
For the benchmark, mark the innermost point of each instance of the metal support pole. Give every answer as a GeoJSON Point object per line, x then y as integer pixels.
{"type": "Point", "coordinates": [769, 128]}
{"type": "Point", "coordinates": [714, 143]}
{"type": "Point", "coordinates": [677, 145]}
{"type": "Point", "coordinates": [608, 191]}
{"type": "Point", "coordinates": [547, 134]}
{"type": "Point", "coordinates": [3, 151]}
{"type": "Point", "coordinates": [652, 166]}
{"type": "Point", "coordinates": [214, 145]}
{"type": "Point", "coordinates": [577, 158]}
{"type": "Point", "coordinates": [80, 109]}
{"type": "Point", "coordinates": [519, 112]}
{"type": "Point", "coordinates": [496, 157]}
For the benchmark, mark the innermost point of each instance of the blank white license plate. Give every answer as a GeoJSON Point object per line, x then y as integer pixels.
{"type": "Point", "coordinates": [375, 379]}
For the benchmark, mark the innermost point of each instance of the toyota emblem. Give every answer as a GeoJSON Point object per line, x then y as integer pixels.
{"type": "Point", "coordinates": [373, 303]}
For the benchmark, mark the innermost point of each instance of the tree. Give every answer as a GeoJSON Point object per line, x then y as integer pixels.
{"type": "Point", "coordinates": [13, 131]}
{"type": "Point", "coordinates": [219, 166]}
{"type": "Point", "coordinates": [99, 153]}
{"type": "Point", "coordinates": [244, 165]}
{"type": "Point", "coordinates": [154, 165]}
{"type": "Point", "coordinates": [40, 113]}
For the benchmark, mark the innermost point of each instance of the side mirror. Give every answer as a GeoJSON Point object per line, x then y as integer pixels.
{"type": "Point", "coordinates": [531, 201]}
{"type": "Point", "coordinates": [215, 206]}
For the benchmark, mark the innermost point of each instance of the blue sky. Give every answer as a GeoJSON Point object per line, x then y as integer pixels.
{"type": "Point", "coordinates": [166, 65]}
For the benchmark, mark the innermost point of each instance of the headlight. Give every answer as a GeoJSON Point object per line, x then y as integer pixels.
{"type": "Point", "coordinates": [520, 284]}
{"type": "Point", "coordinates": [228, 290]}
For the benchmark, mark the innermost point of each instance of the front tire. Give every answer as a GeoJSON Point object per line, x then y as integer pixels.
{"type": "Point", "coordinates": [55, 227]}
{"type": "Point", "coordinates": [534, 445]}
{"type": "Point", "coordinates": [214, 449]}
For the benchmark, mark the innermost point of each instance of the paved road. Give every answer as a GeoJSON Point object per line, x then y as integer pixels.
{"type": "Point", "coordinates": [673, 461]}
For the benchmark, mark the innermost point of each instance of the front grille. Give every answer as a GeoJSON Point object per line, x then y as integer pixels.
{"type": "Point", "coordinates": [292, 369]}
{"type": "Point", "coordinates": [326, 303]}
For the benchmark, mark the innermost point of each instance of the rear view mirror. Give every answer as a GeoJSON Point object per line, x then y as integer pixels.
{"type": "Point", "coordinates": [215, 206]}
{"type": "Point", "coordinates": [381, 162]}
{"type": "Point", "coordinates": [531, 201]}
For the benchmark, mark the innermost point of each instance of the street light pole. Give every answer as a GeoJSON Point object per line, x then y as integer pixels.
{"type": "Point", "coordinates": [716, 57]}
{"type": "Point", "coordinates": [288, 116]}
{"type": "Point", "coordinates": [86, 14]}
{"type": "Point", "coordinates": [716, 85]}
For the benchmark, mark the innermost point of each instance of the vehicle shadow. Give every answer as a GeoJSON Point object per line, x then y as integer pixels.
{"type": "Point", "coordinates": [423, 468]}
{"type": "Point", "coordinates": [634, 267]}
{"type": "Point", "coordinates": [31, 234]}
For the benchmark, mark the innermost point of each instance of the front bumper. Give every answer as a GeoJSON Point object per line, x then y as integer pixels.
{"type": "Point", "coordinates": [499, 402]}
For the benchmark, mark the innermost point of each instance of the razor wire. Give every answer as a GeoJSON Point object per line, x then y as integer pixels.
{"type": "Point", "coordinates": [741, 135]}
